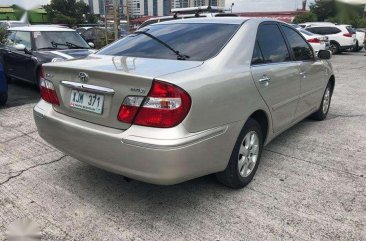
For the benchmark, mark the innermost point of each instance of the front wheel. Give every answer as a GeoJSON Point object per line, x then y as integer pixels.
{"type": "Point", "coordinates": [245, 157]}
{"type": "Point", "coordinates": [323, 110]}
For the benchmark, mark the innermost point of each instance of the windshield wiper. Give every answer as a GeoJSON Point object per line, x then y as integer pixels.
{"type": "Point", "coordinates": [75, 46]}
{"type": "Point", "coordinates": [47, 48]}
{"type": "Point", "coordinates": [179, 55]}
{"type": "Point", "coordinates": [67, 44]}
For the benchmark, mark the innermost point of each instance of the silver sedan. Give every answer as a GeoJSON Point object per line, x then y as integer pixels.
{"type": "Point", "coordinates": [182, 99]}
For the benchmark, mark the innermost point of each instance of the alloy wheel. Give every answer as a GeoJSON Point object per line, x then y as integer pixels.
{"type": "Point", "coordinates": [248, 153]}
{"type": "Point", "coordinates": [326, 100]}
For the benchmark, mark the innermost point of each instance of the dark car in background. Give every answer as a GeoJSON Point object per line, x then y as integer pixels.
{"type": "Point", "coordinates": [27, 48]}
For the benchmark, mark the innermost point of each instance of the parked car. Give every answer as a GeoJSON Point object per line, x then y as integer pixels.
{"type": "Point", "coordinates": [341, 37]}
{"type": "Point", "coordinates": [95, 35]}
{"type": "Point", "coordinates": [27, 48]}
{"type": "Point", "coordinates": [163, 106]}
{"type": "Point", "coordinates": [318, 42]}
{"type": "Point", "coordinates": [3, 86]}
{"type": "Point", "coordinates": [360, 38]}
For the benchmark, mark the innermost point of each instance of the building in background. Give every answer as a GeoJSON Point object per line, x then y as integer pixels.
{"type": "Point", "coordinates": [197, 3]}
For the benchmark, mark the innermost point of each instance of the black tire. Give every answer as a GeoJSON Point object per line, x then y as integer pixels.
{"type": "Point", "coordinates": [356, 48]}
{"type": "Point", "coordinates": [3, 98]}
{"type": "Point", "coordinates": [231, 176]}
{"type": "Point", "coordinates": [334, 48]}
{"type": "Point", "coordinates": [322, 112]}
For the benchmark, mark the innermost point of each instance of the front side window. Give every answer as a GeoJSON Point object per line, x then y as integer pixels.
{"type": "Point", "coordinates": [299, 47]}
{"type": "Point", "coordinates": [22, 37]}
{"type": "Point", "coordinates": [197, 41]}
{"type": "Point", "coordinates": [10, 38]}
{"type": "Point", "coordinates": [272, 44]}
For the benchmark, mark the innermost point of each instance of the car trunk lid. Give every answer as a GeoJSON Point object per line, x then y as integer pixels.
{"type": "Point", "coordinates": [104, 82]}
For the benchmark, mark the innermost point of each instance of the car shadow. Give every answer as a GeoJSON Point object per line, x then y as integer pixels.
{"type": "Point", "coordinates": [22, 93]}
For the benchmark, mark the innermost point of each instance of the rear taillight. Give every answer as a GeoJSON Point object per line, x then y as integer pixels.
{"type": "Point", "coordinates": [314, 40]}
{"type": "Point", "coordinates": [348, 35]}
{"type": "Point", "coordinates": [165, 106]}
{"type": "Point", "coordinates": [47, 89]}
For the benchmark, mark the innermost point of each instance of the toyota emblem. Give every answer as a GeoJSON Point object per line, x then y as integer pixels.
{"type": "Point", "coordinates": [83, 77]}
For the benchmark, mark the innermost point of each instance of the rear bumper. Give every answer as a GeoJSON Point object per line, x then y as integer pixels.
{"type": "Point", "coordinates": [346, 47]}
{"type": "Point", "coordinates": [159, 156]}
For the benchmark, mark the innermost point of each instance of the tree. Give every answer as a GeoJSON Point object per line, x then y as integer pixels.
{"type": "Point", "coordinates": [67, 11]}
{"type": "Point", "coordinates": [305, 17]}
{"type": "Point", "coordinates": [324, 9]}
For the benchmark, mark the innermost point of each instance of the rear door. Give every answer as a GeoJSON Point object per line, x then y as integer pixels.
{"type": "Point", "coordinates": [312, 72]}
{"type": "Point", "coordinates": [276, 75]}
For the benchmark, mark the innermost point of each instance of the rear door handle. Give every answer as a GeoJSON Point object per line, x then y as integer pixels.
{"type": "Point", "coordinates": [264, 80]}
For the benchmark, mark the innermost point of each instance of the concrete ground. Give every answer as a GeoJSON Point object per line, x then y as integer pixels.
{"type": "Point", "coordinates": [310, 184]}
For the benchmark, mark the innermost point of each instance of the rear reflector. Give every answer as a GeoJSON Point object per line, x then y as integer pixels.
{"type": "Point", "coordinates": [314, 40]}
{"type": "Point", "coordinates": [165, 106]}
{"type": "Point", "coordinates": [348, 35]}
{"type": "Point", "coordinates": [47, 90]}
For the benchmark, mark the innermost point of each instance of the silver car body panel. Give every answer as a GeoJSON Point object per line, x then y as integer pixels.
{"type": "Point", "coordinates": [224, 90]}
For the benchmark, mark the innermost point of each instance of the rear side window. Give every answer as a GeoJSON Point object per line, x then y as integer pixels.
{"type": "Point", "coordinates": [351, 30]}
{"type": "Point", "coordinates": [257, 55]}
{"type": "Point", "coordinates": [334, 30]}
{"type": "Point", "coordinates": [198, 41]}
{"type": "Point", "coordinates": [272, 44]}
{"type": "Point", "coordinates": [299, 47]}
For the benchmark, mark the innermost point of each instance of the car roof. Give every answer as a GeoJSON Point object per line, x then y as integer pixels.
{"type": "Point", "coordinates": [224, 20]}
{"type": "Point", "coordinates": [41, 28]}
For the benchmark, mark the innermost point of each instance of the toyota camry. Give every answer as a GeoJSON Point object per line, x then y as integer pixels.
{"type": "Point", "coordinates": [182, 99]}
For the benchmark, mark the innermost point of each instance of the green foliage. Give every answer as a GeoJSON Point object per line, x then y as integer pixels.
{"type": "Point", "coordinates": [67, 11]}
{"type": "Point", "coordinates": [92, 18]}
{"type": "Point", "coordinates": [324, 9]}
{"type": "Point", "coordinates": [338, 12]}
{"type": "Point", "coordinates": [2, 35]}
{"type": "Point", "coordinates": [305, 17]}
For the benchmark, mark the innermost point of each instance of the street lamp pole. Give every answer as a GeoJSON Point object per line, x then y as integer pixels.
{"type": "Point", "coordinates": [231, 8]}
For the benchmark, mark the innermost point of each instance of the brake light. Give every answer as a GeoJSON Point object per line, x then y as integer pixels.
{"type": "Point", "coordinates": [47, 90]}
{"type": "Point", "coordinates": [348, 35]}
{"type": "Point", "coordinates": [165, 106]}
{"type": "Point", "coordinates": [314, 40]}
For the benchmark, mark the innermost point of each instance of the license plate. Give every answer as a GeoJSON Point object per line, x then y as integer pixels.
{"type": "Point", "coordinates": [87, 101]}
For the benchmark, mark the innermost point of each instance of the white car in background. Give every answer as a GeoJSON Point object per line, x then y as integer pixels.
{"type": "Point", "coordinates": [341, 37]}
{"type": "Point", "coordinates": [360, 38]}
{"type": "Point", "coordinates": [317, 42]}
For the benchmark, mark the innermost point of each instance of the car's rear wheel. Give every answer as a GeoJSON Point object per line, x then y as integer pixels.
{"type": "Point", "coordinates": [356, 48]}
{"type": "Point", "coordinates": [245, 157]}
{"type": "Point", "coordinates": [3, 98]}
{"type": "Point", "coordinates": [323, 110]}
{"type": "Point", "coordinates": [334, 47]}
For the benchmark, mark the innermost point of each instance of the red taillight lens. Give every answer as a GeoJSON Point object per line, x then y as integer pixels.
{"type": "Point", "coordinates": [314, 40]}
{"type": "Point", "coordinates": [348, 35]}
{"type": "Point", "coordinates": [165, 106]}
{"type": "Point", "coordinates": [47, 90]}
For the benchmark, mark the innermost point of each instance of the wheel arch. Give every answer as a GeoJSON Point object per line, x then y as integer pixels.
{"type": "Point", "coordinates": [332, 82]}
{"type": "Point", "coordinates": [263, 119]}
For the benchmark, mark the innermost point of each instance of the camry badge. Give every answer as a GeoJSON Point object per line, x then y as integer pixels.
{"type": "Point", "coordinates": [83, 77]}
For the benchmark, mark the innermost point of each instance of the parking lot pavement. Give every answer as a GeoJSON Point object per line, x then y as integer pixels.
{"type": "Point", "coordinates": [310, 184]}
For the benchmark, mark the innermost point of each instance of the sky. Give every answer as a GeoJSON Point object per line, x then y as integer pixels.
{"type": "Point", "coordinates": [239, 5]}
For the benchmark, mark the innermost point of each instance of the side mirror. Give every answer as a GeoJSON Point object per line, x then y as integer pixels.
{"type": "Point", "coordinates": [324, 54]}
{"type": "Point", "coordinates": [20, 47]}
{"type": "Point", "coordinates": [91, 44]}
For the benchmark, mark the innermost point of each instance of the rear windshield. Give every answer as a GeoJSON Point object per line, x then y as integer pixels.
{"type": "Point", "coordinates": [198, 41]}
{"type": "Point", "coordinates": [306, 32]}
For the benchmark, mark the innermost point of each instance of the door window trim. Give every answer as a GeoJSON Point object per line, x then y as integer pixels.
{"type": "Point", "coordinates": [256, 39]}
{"type": "Point", "coordinates": [288, 43]}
